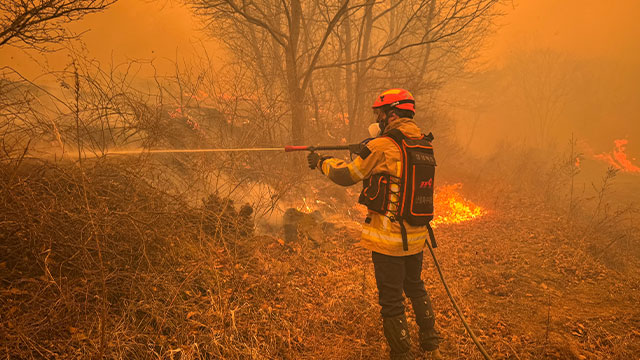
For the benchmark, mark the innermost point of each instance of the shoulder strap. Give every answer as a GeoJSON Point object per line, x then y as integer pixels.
{"type": "Point", "coordinates": [429, 137]}
{"type": "Point", "coordinates": [396, 135]}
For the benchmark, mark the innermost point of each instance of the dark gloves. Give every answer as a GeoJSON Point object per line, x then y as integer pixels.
{"type": "Point", "coordinates": [315, 160]}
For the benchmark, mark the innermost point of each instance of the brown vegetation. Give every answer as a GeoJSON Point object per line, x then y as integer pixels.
{"type": "Point", "coordinates": [157, 256]}
{"type": "Point", "coordinates": [96, 261]}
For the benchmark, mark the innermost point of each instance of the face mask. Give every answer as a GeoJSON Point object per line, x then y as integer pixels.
{"type": "Point", "coordinates": [374, 130]}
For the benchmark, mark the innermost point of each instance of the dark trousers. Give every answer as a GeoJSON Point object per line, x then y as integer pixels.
{"type": "Point", "coordinates": [395, 274]}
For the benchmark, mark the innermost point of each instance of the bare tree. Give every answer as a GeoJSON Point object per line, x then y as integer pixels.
{"type": "Point", "coordinates": [415, 44]}
{"type": "Point", "coordinates": [293, 31]}
{"type": "Point", "coordinates": [541, 82]}
{"type": "Point", "coordinates": [35, 23]}
{"type": "Point", "coordinates": [337, 53]}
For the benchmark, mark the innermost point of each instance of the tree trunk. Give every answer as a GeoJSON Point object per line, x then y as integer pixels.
{"type": "Point", "coordinates": [349, 78]}
{"type": "Point", "coordinates": [427, 54]}
{"type": "Point", "coordinates": [298, 117]}
{"type": "Point", "coordinates": [361, 67]}
{"type": "Point", "coordinates": [296, 94]}
{"type": "Point", "coordinates": [393, 25]}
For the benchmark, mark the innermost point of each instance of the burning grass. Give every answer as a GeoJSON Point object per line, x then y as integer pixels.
{"type": "Point", "coordinates": [452, 208]}
{"type": "Point", "coordinates": [618, 158]}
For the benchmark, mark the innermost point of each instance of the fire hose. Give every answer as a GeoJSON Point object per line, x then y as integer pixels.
{"type": "Point", "coordinates": [353, 149]}
{"type": "Point", "coordinates": [456, 307]}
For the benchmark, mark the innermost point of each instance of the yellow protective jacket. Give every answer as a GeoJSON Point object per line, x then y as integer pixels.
{"type": "Point", "coordinates": [380, 234]}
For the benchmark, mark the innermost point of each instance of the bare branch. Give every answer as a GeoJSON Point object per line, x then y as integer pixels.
{"type": "Point", "coordinates": [278, 36]}
{"type": "Point", "coordinates": [440, 29]}
{"type": "Point", "coordinates": [38, 23]}
{"type": "Point", "coordinates": [332, 23]}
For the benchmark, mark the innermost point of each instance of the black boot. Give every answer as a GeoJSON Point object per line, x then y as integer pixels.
{"type": "Point", "coordinates": [397, 333]}
{"type": "Point", "coordinates": [425, 318]}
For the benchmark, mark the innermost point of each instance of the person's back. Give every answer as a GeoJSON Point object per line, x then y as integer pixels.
{"type": "Point", "coordinates": [383, 225]}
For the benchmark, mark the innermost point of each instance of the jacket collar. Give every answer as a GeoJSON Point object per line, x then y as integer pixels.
{"type": "Point", "coordinates": [406, 125]}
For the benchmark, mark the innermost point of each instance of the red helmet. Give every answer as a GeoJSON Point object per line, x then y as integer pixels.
{"type": "Point", "coordinates": [396, 98]}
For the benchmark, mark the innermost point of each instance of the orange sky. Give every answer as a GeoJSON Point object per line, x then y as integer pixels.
{"type": "Point", "coordinates": [143, 29]}
{"type": "Point", "coordinates": [583, 28]}
{"type": "Point", "coordinates": [166, 29]}
{"type": "Point", "coordinates": [130, 29]}
{"type": "Point", "coordinates": [161, 29]}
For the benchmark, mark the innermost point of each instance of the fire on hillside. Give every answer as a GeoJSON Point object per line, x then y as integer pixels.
{"type": "Point", "coordinates": [618, 157]}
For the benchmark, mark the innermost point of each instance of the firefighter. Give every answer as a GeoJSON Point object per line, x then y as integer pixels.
{"type": "Point", "coordinates": [397, 247]}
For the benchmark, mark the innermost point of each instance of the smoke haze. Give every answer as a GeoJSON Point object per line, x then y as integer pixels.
{"type": "Point", "coordinates": [132, 29]}
{"type": "Point", "coordinates": [128, 229]}
{"type": "Point", "coordinates": [586, 53]}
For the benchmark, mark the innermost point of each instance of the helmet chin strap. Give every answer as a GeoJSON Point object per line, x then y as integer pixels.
{"type": "Point", "coordinates": [376, 129]}
{"type": "Point", "coordinates": [384, 122]}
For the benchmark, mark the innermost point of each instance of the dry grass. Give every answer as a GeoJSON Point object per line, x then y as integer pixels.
{"type": "Point", "coordinates": [97, 262]}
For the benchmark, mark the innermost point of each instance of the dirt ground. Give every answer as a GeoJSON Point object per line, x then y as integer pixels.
{"type": "Point", "coordinates": [529, 287]}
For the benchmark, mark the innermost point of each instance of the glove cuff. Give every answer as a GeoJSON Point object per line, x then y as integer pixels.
{"type": "Point", "coordinates": [322, 159]}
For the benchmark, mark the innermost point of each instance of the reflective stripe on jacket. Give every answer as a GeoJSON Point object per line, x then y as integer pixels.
{"type": "Point", "coordinates": [383, 156]}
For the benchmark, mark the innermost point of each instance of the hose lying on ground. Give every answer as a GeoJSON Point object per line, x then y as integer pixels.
{"type": "Point", "coordinates": [455, 306]}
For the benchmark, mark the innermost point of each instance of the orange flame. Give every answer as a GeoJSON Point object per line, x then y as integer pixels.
{"type": "Point", "coordinates": [618, 158]}
{"type": "Point", "coordinates": [179, 113]}
{"type": "Point", "coordinates": [198, 96]}
{"type": "Point", "coordinates": [452, 208]}
{"type": "Point", "coordinates": [344, 117]}
{"type": "Point", "coordinates": [176, 113]}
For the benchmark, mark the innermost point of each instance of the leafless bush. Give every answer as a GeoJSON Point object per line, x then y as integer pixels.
{"type": "Point", "coordinates": [124, 257]}
{"type": "Point", "coordinates": [97, 261]}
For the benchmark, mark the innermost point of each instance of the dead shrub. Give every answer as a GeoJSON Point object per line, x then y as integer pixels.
{"type": "Point", "coordinates": [96, 261]}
